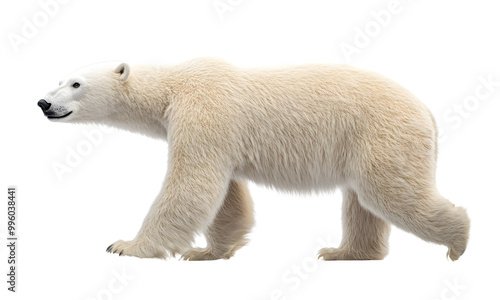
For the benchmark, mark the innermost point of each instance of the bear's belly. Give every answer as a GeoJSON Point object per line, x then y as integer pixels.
{"type": "Point", "coordinates": [298, 177]}
{"type": "Point", "coordinates": [298, 160]}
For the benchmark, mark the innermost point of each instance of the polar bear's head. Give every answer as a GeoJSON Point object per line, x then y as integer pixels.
{"type": "Point", "coordinates": [87, 96]}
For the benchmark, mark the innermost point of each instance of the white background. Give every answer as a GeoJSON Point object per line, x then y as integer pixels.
{"type": "Point", "coordinates": [439, 50]}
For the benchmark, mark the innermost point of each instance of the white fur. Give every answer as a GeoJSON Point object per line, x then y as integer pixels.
{"type": "Point", "coordinates": [304, 128]}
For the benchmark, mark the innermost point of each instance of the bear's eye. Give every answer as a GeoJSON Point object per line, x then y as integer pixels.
{"type": "Point", "coordinates": [76, 85]}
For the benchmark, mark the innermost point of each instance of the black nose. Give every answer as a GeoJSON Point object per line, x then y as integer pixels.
{"type": "Point", "coordinates": [44, 105]}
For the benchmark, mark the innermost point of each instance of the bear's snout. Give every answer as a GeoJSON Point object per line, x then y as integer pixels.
{"type": "Point", "coordinates": [44, 105]}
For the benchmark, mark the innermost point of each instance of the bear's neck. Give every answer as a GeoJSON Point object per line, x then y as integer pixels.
{"type": "Point", "coordinates": [143, 110]}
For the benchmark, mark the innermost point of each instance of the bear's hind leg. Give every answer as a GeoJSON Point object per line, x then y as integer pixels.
{"type": "Point", "coordinates": [365, 236]}
{"type": "Point", "coordinates": [423, 212]}
{"type": "Point", "coordinates": [228, 231]}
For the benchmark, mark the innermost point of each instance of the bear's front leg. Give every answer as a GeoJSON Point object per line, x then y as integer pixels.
{"type": "Point", "coordinates": [193, 191]}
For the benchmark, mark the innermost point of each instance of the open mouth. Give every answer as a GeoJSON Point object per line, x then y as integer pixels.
{"type": "Point", "coordinates": [59, 117]}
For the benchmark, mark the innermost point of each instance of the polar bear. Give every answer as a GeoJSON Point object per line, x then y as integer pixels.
{"type": "Point", "coordinates": [303, 128]}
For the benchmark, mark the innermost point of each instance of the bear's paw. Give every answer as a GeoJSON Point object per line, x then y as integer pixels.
{"type": "Point", "coordinates": [200, 254]}
{"type": "Point", "coordinates": [135, 248]}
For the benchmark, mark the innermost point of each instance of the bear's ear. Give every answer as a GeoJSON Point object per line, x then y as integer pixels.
{"type": "Point", "coordinates": [124, 70]}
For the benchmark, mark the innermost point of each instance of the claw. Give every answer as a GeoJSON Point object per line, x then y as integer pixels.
{"type": "Point", "coordinates": [121, 252]}
{"type": "Point", "coordinates": [115, 251]}
{"type": "Point", "coordinates": [109, 248]}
